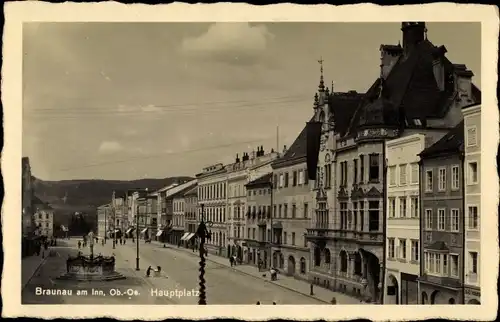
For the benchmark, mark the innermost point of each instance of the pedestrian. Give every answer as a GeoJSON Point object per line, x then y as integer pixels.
{"type": "Point", "coordinates": [79, 245]}
{"type": "Point", "coordinates": [148, 271]}
{"type": "Point", "coordinates": [231, 261]}
{"type": "Point", "coordinates": [259, 265]}
{"type": "Point", "coordinates": [258, 302]}
{"type": "Point", "coordinates": [124, 241]}
{"type": "Point", "coordinates": [274, 303]}
{"type": "Point", "coordinates": [333, 301]}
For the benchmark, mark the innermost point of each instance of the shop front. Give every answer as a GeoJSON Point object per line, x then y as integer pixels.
{"type": "Point", "coordinates": [472, 295]}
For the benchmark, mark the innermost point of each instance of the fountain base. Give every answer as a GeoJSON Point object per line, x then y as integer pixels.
{"type": "Point", "coordinates": [89, 268]}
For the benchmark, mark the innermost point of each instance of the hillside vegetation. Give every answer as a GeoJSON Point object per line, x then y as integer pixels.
{"type": "Point", "coordinates": [68, 196]}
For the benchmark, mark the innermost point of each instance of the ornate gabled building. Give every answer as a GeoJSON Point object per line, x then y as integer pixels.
{"type": "Point", "coordinates": [418, 90]}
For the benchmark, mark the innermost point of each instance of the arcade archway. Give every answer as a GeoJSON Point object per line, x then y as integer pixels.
{"type": "Point", "coordinates": [392, 291]}
{"type": "Point", "coordinates": [291, 265]}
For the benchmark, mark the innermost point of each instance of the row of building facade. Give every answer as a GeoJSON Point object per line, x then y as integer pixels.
{"type": "Point", "coordinates": [378, 196]}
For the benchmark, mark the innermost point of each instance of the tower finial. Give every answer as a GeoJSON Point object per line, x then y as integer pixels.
{"type": "Point", "coordinates": [321, 81]}
{"type": "Point", "coordinates": [332, 86]}
{"type": "Point", "coordinates": [425, 33]}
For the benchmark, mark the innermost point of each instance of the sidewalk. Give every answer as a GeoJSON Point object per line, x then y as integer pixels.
{"type": "Point", "coordinates": [29, 267]}
{"type": "Point", "coordinates": [284, 281]}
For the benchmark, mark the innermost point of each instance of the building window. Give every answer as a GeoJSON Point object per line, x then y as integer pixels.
{"type": "Point", "coordinates": [374, 168]}
{"type": "Point", "coordinates": [269, 235]}
{"type": "Point", "coordinates": [373, 213]}
{"type": "Point", "coordinates": [294, 179]}
{"type": "Point", "coordinates": [471, 136]}
{"type": "Point", "coordinates": [248, 233]}
{"type": "Point", "coordinates": [454, 219]}
{"type": "Point", "coordinates": [282, 180]}
{"type": "Point", "coordinates": [301, 177]}
{"type": "Point", "coordinates": [428, 181]}
{"type": "Point", "coordinates": [402, 175]}
{"type": "Point", "coordinates": [441, 219]}
{"type": "Point", "coordinates": [293, 238]}
{"type": "Point", "coordinates": [445, 265]}
{"type": "Point", "coordinates": [472, 173]}
{"type": "Point", "coordinates": [279, 212]}
{"type": "Point", "coordinates": [437, 266]}
{"type": "Point", "coordinates": [275, 181]}
{"type": "Point", "coordinates": [414, 207]}
{"type": "Point", "coordinates": [285, 237]}
{"type": "Point", "coordinates": [414, 173]}
{"type": "Point", "coordinates": [274, 211]}
{"type": "Point", "coordinates": [392, 207]}
{"type": "Point", "coordinates": [442, 179]}
{"type": "Point", "coordinates": [361, 168]}
{"type": "Point", "coordinates": [428, 219]}
{"type": "Point", "coordinates": [402, 249]}
{"type": "Point", "coordinates": [328, 176]}
{"type": "Point", "coordinates": [286, 179]}
{"type": "Point", "coordinates": [473, 262]}
{"type": "Point", "coordinates": [402, 207]}
{"type": "Point", "coordinates": [392, 175]}
{"type": "Point", "coordinates": [455, 178]}
{"type": "Point", "coordinates": [285, 211]}
{"type": "Point", "coordinates": [454, 265]}
{"type": "Point", "coordinates": [390, 243]}
{"type": "Point", "coordinates": [253, 233]}
{"type": "Point", "coordinates": [343, 215]}
{"type": "Point", "coordinates": [302, 265]}
{"type": "Point", "coordinates": [306, 177]}
{"type": "Point", "coordinates": [355, 169]}
{"type": "Point", "coordinates": [294, 211]}
{"type": "Point", "coordinates": [361, 216]}
{"type": "Point", "coordinates": [473, 217]}
{"type": "Point", "coordinates": [306, 210]}
{"type": "Point", "coordinates": [414, 250]}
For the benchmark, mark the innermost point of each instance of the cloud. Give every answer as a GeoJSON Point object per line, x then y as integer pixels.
{"type": "Point", "coordinates": [232, 43]}
{"type": "Point", "coordinates": [150, 108]}
{"type": "Point", "coordinates": [110, 146]}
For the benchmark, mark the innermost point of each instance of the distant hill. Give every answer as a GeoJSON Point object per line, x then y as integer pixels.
{"type": "Point", "coordinates": [87, 195]}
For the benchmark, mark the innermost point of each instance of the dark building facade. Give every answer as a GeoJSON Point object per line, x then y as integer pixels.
{"type": "Point", "coordinates": [442, 220]}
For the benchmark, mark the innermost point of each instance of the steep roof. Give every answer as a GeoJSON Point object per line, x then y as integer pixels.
{"type": "Point", "coordinates": [192, 191]}
{"type": "Point", "coordinates": [264, 180]}
{"type": "Point", "coordinates": [297, 150]}
{"type": "Point", "coordinates": [343, 106]}
{"type": "Point", "coordinates": [453, 141]}
{"type": "Point", "coordinates": [412, 89]}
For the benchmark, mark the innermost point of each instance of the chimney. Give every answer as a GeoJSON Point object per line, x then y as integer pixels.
{"type": "Point", "coordinates": [272, 150]}
{"type": "Point", "coordinates": [237, 158]}
{"type": "Point", "coordinates": [464, 84]}
{"type": "Point", "coordinates": [284, 149]}
{"type": "Point", "coordinates": [413, 34]}
{"type": "Point", "coordinates": [262, 150]}
{"type": "Point", "coordinates": [389, 55]}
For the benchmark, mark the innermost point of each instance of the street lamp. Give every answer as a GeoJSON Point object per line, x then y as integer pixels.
{"type": "Point", "coordinates": [203, 234]}
{"type": "Point", "coordinates": [114, 227]}
{"type": "Point", "coordinates": [137, 238]}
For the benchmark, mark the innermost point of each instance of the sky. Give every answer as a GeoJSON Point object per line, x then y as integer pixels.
{"type": "Point", "coordinates": [126, 101]}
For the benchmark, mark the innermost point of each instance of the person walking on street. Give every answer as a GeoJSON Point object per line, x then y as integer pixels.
{"type": "Point", "coordinates": [148, 271]}
{"type": "Point", "coordinates": [79, 244]}
{"type": "Point", "coordinates": [231, 261]}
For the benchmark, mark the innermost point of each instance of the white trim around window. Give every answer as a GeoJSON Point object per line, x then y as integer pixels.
{"type": "Point", "coordinates": [441, 219]}
{"type": "Point", "coordinates": [454, 219]}
{"type": "Point", "coordinates": [455, 177]}
{"type": "Point", "coordinates": [472, 178]}
{"type": "Point", "coordinates": [429, 184]}
{"type": "Point", "coordinates": [442, 179]}
{"type": "Point", "coordinates": [428, 219]}
{"type": "Point", "coordinates": [472, 217]}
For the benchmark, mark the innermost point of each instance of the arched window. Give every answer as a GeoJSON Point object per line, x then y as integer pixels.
{"type": "Point", "coordinates": [317, 256]}
{"type": "Point", "coordinates": [343, 261]}
{"type": "Point", "coordinates": [302, 265]}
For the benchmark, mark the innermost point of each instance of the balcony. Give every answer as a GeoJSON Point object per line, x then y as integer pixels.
{"type": "Point", "coordinates": [362, 237]}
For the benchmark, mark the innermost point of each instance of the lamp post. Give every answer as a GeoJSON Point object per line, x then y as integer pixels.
{"type": "Point", "coordinates": [271, 223]}
{"type": "Point", "coordinates": [137, 239]}
{"type": "Point", "coordinates": [203, 234]}
{"type": "Point", "coordinates": [114, 227]}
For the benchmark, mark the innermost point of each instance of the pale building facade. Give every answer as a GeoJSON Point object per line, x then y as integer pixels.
{"type": "Point", "coordinates": [472, 163]}
{"type": "Point", "coordinates": [104, 220]}
{"type": "Point", "coordinates": [402, 219]}
{"type": "Point", "coordinates": [43, 218]}
{"type": "Point", "coordinates": [191, 220]}
{"type": "Point", "coordinates": [212, 198]}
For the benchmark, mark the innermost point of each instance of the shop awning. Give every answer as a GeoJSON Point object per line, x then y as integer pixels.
{"type": "Point", "coordinates": [184, 236]}
{"type": "Point", "coordinates": [191, 235]}
{"type": "Point", "coordinates": [159, 233]}
{"type": "Point", "coordinates": [130, 230]}
{"type": "Point", "coordinates": [144, 230]}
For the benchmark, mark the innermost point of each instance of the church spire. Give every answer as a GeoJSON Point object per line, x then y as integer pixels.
{"type": "Point", "coordinates": [321, 80]}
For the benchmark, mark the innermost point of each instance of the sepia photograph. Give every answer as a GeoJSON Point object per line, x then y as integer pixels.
{"type": "Point", "coordinates": [252, 163]}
